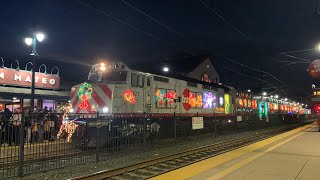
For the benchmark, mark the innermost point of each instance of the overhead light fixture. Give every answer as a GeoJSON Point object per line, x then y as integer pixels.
{"type": "Point", "coordinates": [40, 37]}
{"type": "Point", "coordinates": [28, 41]}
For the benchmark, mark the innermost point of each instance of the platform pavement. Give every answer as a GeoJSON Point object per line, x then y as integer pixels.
{"type": "Point", "coordinates": [291, 155]}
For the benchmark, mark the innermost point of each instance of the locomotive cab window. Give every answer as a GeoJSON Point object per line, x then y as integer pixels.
{"type": "Point", "coordinates": [137, 80]}
{"type": "Point", "coordinates": [114, 76]}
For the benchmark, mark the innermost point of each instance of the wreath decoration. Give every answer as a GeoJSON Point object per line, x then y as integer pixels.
{"type": "Point", "coordinates": [84, 93]}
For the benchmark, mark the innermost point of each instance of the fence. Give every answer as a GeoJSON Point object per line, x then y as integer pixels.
{"type": "Point", "coordinates": [38, 142]}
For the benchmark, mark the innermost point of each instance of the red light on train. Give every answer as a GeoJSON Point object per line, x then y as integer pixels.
{"type": "Point", "coordinates": [317, 108]}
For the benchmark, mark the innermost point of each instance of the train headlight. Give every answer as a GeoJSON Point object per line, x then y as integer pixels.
{"type": "Point", "coordinates": [102, 67]}
{"type": "Point", "coordinates": [105, 109]}
{"type": "Point", "coordinates": [229, 121]}
{"type": "Point", "coordinates": [71, 110]}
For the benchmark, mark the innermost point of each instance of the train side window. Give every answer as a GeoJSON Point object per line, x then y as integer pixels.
{"type": "Point", "coordinates": [134, 80]}
{"type": "Point", "coordinates": [140, 80]}
{"type": "Point", "coordinates": [137, 80]}
{"type": "Point", "coordinates": [148, 81]}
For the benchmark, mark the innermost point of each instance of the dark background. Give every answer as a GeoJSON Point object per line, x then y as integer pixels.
{"type": "Point", "coordinates": [251, 32]}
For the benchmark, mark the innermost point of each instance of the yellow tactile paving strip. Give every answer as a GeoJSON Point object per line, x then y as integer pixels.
{"type": "Point", "coordinates": [205, 165]}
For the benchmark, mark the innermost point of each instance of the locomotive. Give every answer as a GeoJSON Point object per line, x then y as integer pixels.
{"type": "Point", "coordinates": [118, 89]}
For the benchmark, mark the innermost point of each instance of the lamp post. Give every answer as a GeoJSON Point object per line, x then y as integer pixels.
{"type": "Point", "coordinates": [165, 69]}
{"type": "Point", "coordinates": [33, 41]}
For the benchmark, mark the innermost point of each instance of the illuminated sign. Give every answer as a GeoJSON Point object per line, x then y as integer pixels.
{"type": "Point", "coordinates": [260, 109]}
{"type": "Point", "coordinates": [24, 78]}
{"type": "Point", "coordinates": [128, 96]}
{"type": "Point", "coordinates": [254, 104]}
{"type": "Point", "coordinates": [209, 100]}
{"type": "Point", "coordinates": [226, 104]}
{"type": "Point", "coordinates": [266, 108]}
{"type": "Point", "coordinates": [240, 102]}
{"type": "Point", "coordinates": [249, 103]}
{"type": "Point", "coordinates": [161, 98]}
{"type": "Point", "coordinates": [244, 102]}
{"type": "Point", "coordinates": [221, 101]}
{"type": "Point", "coordinates": [195, 100]}
{"type": "Point", "coordinates": [171, 96]}
{"type": "Point", "coordinates": [191, 100]}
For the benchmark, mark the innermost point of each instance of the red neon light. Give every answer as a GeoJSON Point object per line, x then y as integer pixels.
{"type": "Point", "coordinates": [84, 103]}
{"type": "Point", "coordinates": [128, 95]}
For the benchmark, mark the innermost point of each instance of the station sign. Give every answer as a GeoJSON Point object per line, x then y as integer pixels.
{"type": "Point", "coordinates": [23, 78]}
{"type": "Point", "coordinates": [197, 123]}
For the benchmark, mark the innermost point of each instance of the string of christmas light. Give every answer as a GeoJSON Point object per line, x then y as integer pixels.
{"type": "Point", "coordinates": [69, 128]}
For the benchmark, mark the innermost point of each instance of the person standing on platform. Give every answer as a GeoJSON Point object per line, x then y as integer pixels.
{"type": "Point", "coordinates": [7, 126]}
{"type": "Point", "coordinates": [53, 123]}
{"type": "Point", "coordinates": [28, 126]}
{"type": "Point", "coordinates": [16, 125]}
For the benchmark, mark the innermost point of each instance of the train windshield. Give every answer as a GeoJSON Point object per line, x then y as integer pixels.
{"type": "Point", "coordinates": [111, 73]}
{"type": "Point", "coordinates": [114, 76]}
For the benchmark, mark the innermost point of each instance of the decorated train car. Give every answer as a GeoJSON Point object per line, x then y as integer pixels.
{"type": "Point", "coordinates": [118, 89]}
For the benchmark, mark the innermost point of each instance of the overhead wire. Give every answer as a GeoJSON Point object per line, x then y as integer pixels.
{"type": "Point", "coordinates": [301, 50]}
{"type": "Point", "coordinates": [261, 71]}
{"type": "Point", "coordinates": [152, 18]}
{"type": "Point", "coordinates": [126, 23]}
{"type": "Point", "coordinates": [294, 57]}
{"type": "Point", "coordinates": [251, 77]}
{"type": "Point", "coordinates": [221, 17]}
{"type": "Point", "coordinates": [172, 30]}
{"type": "Point", "coordinates": [276, 88]}
{"type": "Point", "coordinates": [140, 30]}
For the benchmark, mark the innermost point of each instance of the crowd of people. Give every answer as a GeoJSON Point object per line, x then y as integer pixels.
{"type": "Point", "coordinates": [39, 126]}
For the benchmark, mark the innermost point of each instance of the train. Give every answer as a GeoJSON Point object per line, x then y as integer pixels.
{"type": "Point", "coordinates": [125, 103]}
{"type": "Point", "coordinates": [118, 89]}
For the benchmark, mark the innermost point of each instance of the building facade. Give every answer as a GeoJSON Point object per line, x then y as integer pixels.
{"type": "Point", "coordinates": [15, 89]}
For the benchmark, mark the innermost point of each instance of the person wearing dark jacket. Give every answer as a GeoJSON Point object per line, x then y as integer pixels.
{"type": "Point", "coordinates": [7, 126]}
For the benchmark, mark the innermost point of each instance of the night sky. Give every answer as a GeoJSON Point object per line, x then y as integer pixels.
{"type": "Point", "coordinates": [253, 33]}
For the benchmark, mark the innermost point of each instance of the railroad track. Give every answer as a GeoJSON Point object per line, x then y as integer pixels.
{"type": "Point", "coordinates": [155, 167]}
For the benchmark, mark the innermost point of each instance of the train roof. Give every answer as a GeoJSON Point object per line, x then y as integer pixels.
{"type": "Point", "coordinates": [177, 76]}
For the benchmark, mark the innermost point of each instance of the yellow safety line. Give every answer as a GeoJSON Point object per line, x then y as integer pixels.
{"type": "Point", "coordinates": [205, 165]}
{"type": "Point", "coordinates": [248, 160]}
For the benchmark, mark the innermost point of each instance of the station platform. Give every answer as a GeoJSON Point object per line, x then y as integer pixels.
{"type": "Point", "coordinates": [291, 155]}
